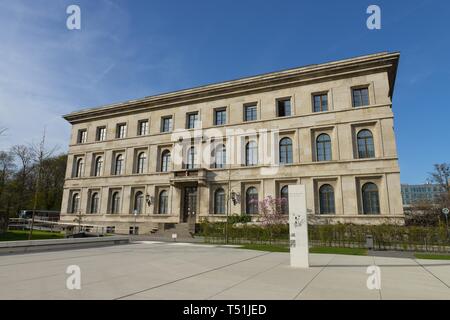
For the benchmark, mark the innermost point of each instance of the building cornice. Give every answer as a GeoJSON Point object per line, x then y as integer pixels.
{"type": "Point", "coordinates": [270, 81]}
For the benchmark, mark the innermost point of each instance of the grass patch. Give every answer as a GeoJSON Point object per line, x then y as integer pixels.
{"type": "Point", "coordinates": [16, 235]}
{"type": "Point", "coordinates": [432, 256]}
{"type": "Point", "coordinates": [266, 247]}
{"type": "Point", "coordinates": [285, 248]}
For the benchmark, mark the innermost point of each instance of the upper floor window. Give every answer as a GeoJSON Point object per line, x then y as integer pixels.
{"type": "Point", "coordinates": [165, 161]}
{"type": "Point", "coordinates": [219, 156]}
{"type": "Point", "coordinates": [220, 116]}
{"type": "Point", "coordinates": [360, 97]}
{"type": "Point", "coordinates": [166, 124]}
{"type": "Point", "coordinates": [326, 199]}
{"type": "Point", "coordinates": [101, 134]}
{"type": "Point", "coordinates": [138, 203]}
{"type": "Point", "coordinates": [143, 128]}
{"type": "Point", "coordinates": [79, 167]}
{"type": "Point", "coordinates": [98, 167]}
{"type": "Point", "coordinates": [365, 144]}
{"type": "Point", "coordinates": [95, 200]}
{"type": "Point", "coordinates": [115, 202]}
{"type": "Point", "coordinates": [320, 102]}
{"type": "Point", "coordinates": [192, 120]}
{"type": "Point", "coordinates": [250, 113]}
{"type": "Point", "coordinates": [251, 154]}
{"type": "Point", "coordinates": [191, 158]}
{"type": "Point", "coordinates": [119, 164]}
{"type": "Point", "coordinates": [323, 147]}
{"type": "Point", "coordinates": [285, 151]}
{"type": "Point", "coordinates": [75, 205]}
{"type": "Point", "coordinates": [82, 136]}
{"type": "Point", "coordinates": [121, 130]}
{"type": "Point", "coordinates": [284, 107]}
{"type": "Point", "coordinates": [371, 201]}
{"type": "Point", "coordinates": [141, 162]}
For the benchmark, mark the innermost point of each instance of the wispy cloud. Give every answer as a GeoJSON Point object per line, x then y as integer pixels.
{"type": "Point", "coordinates": [47, 70]}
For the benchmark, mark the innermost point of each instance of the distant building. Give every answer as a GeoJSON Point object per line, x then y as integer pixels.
{"type": "Point", "coordinates": [412, 193]}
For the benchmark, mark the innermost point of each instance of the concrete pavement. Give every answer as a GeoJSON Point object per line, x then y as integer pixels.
{"type": "Point", "coordinates": [157, 270]}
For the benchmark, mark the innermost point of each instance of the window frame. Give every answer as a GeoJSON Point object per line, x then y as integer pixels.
{"type": "Point", "coordinates": [163, 124]}
{"type": "Point", "coordinates": [253, 106]}
{"type": "Point", "coordinates": [359, 89]}
{"type": "Point", "coordinates": [320, 95]}
{"type": "Point", "coordinates": [280, 100]}
{"type": "Point", "coordinates": [221, 110]}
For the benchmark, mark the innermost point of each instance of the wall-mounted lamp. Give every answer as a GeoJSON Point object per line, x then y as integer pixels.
{"type": "Point", "coordinates": [235, 197]}
{"type": "Point", "coordinates": [149, 199]}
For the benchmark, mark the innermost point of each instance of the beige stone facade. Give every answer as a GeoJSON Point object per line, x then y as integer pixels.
{"type": "Point", "coordinates": [338, 118]}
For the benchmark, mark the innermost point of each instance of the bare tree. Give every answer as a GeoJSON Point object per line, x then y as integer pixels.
{"type": "Point", "coordinates": [2, 131]}
{"type": "Point", "coordinates": [6, 171]}
{"type": "Point", "coordinates": [39, 154]}
{"type": "Point", "coordinates": [25, 159]}
{"type": "Point", "coordinates": [441, 175]}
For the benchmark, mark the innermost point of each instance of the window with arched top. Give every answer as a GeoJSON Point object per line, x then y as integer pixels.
{"type": "Point", "coordinates": [118, 166]}
{"type": "Point", "coordinates": [79, 168]}
{"type": "Point", "coordinates": [219, 156]}
{"type": "Point", "coordinates": [323, 147]}
{"type": "Point", "coordinates": [326, 199]}
{"type": "Point", "coordinates": [95, 199]}
{"type": "Point", "coordinates": [370, 198]}
{"type": "Point", "coordinates": [284, 197]}
{"type": "Point", "coordinates": [251, 201]}
{"type": "Point", "coordinates": [165, 161]}
{"type": "Point", "coordinates": [163, 202]}
{"type": "Point", "coordinates": [98, 168]}
{"type": "Point", "coordinates": [115, 203]}
{"type": "Point", "coordinates": [285, 150]}
{"type": "Point", "coordinates": [138, 207]}
{"type": "Point", "coordinates": [219, 201]}
{"type": "Point", "coordinates": [191, 158]}
{"type": "Point", "coordinates": [75, 206]}
{"type": "Point", "coordinates": [141, 162]}
{"type": "Point", "coordinates": [251, 153]}
{"type": "Point", "coordinates": [366, 147]}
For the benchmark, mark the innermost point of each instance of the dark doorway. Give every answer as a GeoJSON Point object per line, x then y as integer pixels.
{"type": "Point", "coordinates": [189, 204]}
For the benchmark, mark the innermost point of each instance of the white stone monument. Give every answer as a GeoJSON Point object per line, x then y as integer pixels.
{"type": "Point", "coordinates": [298, 227]}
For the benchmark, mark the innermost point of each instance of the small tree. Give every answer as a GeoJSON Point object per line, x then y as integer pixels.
{"type": "Point", "coordinates": [273, 213]}
{"type": "Point", "coordinates": [441, 175]}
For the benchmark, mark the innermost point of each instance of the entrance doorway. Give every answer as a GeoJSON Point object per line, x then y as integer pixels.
{"type": "Point", "coordinates": [189, 204]}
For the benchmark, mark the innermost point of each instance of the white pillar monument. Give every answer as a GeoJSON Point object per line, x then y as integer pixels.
{"type": "Point", "coordinates": [298, 227]}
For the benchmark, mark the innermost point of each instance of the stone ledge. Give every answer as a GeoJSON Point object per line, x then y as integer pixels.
{"type": "Point", "coordinates": [59, 244]}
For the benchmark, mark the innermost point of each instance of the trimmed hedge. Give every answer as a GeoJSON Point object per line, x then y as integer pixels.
{"type": "Point", "coordinates": [336, 235]}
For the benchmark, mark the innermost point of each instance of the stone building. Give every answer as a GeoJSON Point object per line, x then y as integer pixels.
{"type": "Point", "coordinates": [218, 149]}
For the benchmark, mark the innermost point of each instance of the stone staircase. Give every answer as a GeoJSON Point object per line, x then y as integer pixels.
{"type": "Point", "coordinates": [183, 231]}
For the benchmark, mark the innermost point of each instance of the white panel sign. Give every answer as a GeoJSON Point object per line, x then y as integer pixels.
{"type": "Point", "coordinates": [298, 227]}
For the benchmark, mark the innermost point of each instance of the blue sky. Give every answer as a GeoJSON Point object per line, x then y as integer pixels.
{"type": "Point", "coordinates": [131, 49]}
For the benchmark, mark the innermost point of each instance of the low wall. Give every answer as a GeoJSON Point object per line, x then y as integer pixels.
{"type": "Point", "coordinates": [59, 244]}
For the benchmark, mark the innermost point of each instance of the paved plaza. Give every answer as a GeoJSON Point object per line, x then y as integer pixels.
{"type": "Point", "coordinates": [157, 270]}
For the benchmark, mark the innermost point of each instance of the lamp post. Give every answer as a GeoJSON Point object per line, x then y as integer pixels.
{"type": "Point", "coordinates": [446, 211]}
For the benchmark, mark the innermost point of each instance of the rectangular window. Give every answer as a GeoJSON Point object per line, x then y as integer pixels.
{"type": "Point", "coordinates": [101, 134]}
{"type": "Point", "coordinates": [360, 97]}
{"type": "Point", "coordinates": [143, 128]}
{"type": "Point", "coordinates": [220, 116]}
{"type": "Point", "coordinates": [166, 124]}
{"type": "Point", "coordinates": [284, 107]}
{"type": "Point", "coordinates": [192, 120]}
{"type": "Point", "coordinates": [121, 130]}
{"type": "Point", "coordinates": [320, 102]}
{"type": "Point", "coordinates": [250, 113]}
{"type": "Point", "coordinates": [82, 136]}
